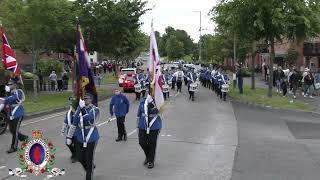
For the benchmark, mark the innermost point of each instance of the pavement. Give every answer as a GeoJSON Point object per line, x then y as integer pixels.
{"type": "Point", "coordinates": [198, 141]}
{"type": "Point", "coordinates": [260, 83]}
{"type": "Point", "coordinates": [276, 145]}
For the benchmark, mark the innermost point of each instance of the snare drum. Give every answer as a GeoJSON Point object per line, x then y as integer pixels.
{"type": "Point", "coordinates": [193, 87]}
{"type": "Point", "coordinates": [137, 88]}
{"type": "Point", "coordinates": [225, 88]}
{"type": "Point", "coordinates": [165, 88]}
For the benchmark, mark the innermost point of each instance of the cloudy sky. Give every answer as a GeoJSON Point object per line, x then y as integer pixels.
{"type": "Point", "coordinates": [180, 15]}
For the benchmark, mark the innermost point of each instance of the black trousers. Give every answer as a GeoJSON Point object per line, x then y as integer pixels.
{"type": "Point", "coordinates": [121, 126]}
{"type": "Point", "coordinates": [143, 93]}
{"type": "Point", "coordinates": [14, 126]}
{"type": "Point", "coordinates": [138, 95]}
{"type": "Point", "coordinates": [148, 143]}
{"type": "Point", "coordinates": [179, 86]}
{"type": "Point", "coordinates": [72, 148]}
{"type": "Point", "coordinates": [173, 85]}
{"type": "Point", "coordinates": [86, 157]}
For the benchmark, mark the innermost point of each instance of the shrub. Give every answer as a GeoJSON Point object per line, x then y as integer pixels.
{"type": "Point", "coordinates": [27, 75]}
{"type": "Point", "coordinates": [48, 65]}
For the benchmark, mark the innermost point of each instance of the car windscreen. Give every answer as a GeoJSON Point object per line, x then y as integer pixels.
{"type": "Point", "coordinates": [127, 71]}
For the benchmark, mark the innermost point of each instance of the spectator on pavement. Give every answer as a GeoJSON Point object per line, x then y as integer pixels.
{"type": "Point", "coordinates": [309, 82]}
{"type": "Point", "coordinates": [284, 86]}
{"type": "Point", "coordinates": [294, 81]}
{"type": "Point", "coordinates": [240, 79]}
{"type": "Point", "coordinates": [53, 80]}
{"type": "Point", "coordinates": [65, 80]}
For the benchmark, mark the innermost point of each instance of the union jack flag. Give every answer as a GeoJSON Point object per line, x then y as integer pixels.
{"type": "Point", "coordinates": [9, 60]}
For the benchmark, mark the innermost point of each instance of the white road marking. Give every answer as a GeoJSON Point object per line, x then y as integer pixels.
{"type": "Point", "coordinates": [2, 167]}
{"type": "Point", "coordinates": [132, 132]}
{"type": "Point", "coordinates": [43, 119]}
{"type": "Point", "coordinates": [106, 122]}
{"type": "Point", "coordinates": [169, 135]}
{"type": "Point", "coordinates": [162, 135]}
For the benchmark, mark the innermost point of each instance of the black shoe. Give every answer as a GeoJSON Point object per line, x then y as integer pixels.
{"type": "Point", "coordinates": [145, 162]}
{"type": "Point", "coordinates": [73, 159]}
{"type": "Point", "coordinates": [12, 150]}
{"type": "Point", "coordinates": [119, 139]}
{"type": "Point", "coordinates": [150, 165]}
{"type": "Point", "coordinates": [125, 137]}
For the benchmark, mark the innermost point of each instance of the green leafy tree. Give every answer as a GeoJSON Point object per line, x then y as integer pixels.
{"type": "Point", "coordinates": [269, 21]}
{"type": "Point", "coordinates": [174, 48]}
{"type": "Point", "coordinates": [292, 56]}
{"type": "Point", "coordinates": [112, 27]}
{"type": "Point", "coordinates": [38, 27]}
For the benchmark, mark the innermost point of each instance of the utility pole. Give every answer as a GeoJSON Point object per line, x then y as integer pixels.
{"type": "Point", "coordinates": [234, 49]}
{"type": "Point", "coordinates": [200, 29]}
{"type": "Point", "coordinates": [200, 43]}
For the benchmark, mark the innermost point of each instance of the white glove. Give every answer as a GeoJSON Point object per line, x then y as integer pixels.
{"type": "Point", "coordinates": [149, 99]}
{"type": "Point", "coordinates": [7, 88]}
{"type": "Point", "coordinates": [82, 103]}
{"type": "Point", "coordinates": [11, 117]}
{"type": "Point", "coordinates": [69, 141]}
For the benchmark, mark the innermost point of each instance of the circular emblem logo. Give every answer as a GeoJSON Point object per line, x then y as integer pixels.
{"type": "Point", "coordinates": [37, 154]}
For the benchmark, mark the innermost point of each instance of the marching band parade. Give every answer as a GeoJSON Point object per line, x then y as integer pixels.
{"type": "Point", "coordinates": [137, 113]}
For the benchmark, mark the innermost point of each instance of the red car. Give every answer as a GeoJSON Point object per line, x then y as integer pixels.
{"type": "Point", "coordinates": [128, 83]}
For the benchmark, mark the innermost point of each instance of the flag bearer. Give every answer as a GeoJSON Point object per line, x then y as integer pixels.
{"type": "Point", "coordinates": [66, 125]}
{"type": "Point", "coordinates": [149, 125]}
{"type": "Point", "coordinates": [86, 132]}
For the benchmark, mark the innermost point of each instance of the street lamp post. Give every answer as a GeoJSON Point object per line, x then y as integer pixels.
{"type": "Point", "coordinates": [200, 35]}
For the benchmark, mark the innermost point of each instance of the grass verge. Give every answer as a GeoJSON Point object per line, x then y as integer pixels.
{"type": "Point", "coordinates": [55, 100]}
{"type": "Point", "coordinates": [259, 96]}
{"type": "Point", "coordinates": [109, 78]}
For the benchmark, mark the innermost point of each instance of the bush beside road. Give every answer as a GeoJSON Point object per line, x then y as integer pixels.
{"type": "Point", "coordinates": [259, 97]}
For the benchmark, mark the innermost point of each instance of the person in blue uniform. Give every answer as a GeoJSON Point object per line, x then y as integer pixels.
{"type": "Point", "coordinates": [223, 79]}
{"type": "Point", "coordinates": [174, 80]}
{"type": "Point", "coordinates": [216, 82]}
{"type": "Point", "coordinates": [191, 78]}
{"type": "Point", "coordinates": [143, 77]}
{"type": "Point", "coordinates": [207, 78]}
{"type": "Point", "coordinates": [149, 125]}
{"type": "Point", "coordinates": [15, 101]}
{"type": "Point", "coordinates": [213, 72]}
{"type": "Point", "coordinates": [119, 106]}
{"type": "Point", "coordinates": [165, 79]}
{"type": "Point", "coordinates": [86, 132]}
{"type": "Point", "coordinates": [66, 125]}
{"type": "Point", "coordinates": [139, 79]}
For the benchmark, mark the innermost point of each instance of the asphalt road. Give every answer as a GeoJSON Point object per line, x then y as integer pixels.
{"type": "Point", "coordinates": [198, 141]}
{"type": "Point", "coordinates": [276, 145]}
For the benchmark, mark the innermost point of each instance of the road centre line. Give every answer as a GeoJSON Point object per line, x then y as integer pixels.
{"type": "Point", "coordinates": [106, 122]}
{"type": "Point", "coordinates": [43, 119]}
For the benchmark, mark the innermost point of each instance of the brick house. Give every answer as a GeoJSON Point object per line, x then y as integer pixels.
{"type": "Point", "coordinates": [309, 55]}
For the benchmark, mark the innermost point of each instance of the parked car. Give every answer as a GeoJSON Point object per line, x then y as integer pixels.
{"type": "Point", "coordinates": [124, 72]}
{"type": "Point", "coordinates": [128, 83]}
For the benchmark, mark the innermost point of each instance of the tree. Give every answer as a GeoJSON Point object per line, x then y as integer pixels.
{"type": "Point", "coordinates": [181, 36]}
{"type": "Point", "coordinates": [270, 21]}
{"type": "Point", "coordinates": [174, 48]}
{"type": "Point", "coordinates": [38, 27]}
{"type": "Point", "coordinates": [112, 27]}
{"type": "Point", "coordinates": [292, 56]}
